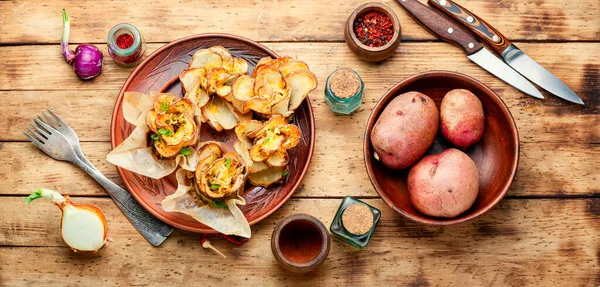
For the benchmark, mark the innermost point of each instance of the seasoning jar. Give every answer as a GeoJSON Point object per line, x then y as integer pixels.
{"type": "Point", "coordinates": [344, 91]}
{"type": "Point", "coordinates": [355, 222]}
{"type": "Point", "coordinates": [125, 45]}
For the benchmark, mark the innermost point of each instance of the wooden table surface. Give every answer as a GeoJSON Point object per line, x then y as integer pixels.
{"type": "Point", "coordinates": [545, 232]}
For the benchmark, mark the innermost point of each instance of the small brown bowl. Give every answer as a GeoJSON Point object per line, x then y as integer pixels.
{"type": "Point", "coordinates": [300, 243]}
{"type": "Point", "coordinates": [363, 51]}
{"type": "Point", "coordinates": [496, 155]}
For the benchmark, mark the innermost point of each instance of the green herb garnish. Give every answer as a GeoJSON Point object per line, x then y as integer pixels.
{"type": "Point", "coordinates": [164, 107]}
{"type": "Point", "coordinates": [228, 162]}
{"type": "Point", "coordinates": [285, 173]}
{"type": "Point", "coordinates": [267, 140]}
{"type": "Point", "coordinates": [214, 186]}
{"type": "Point", "coordinates": [154, 137]}
{"type": "Point", "coordinates": [220, 204]}
{"type": "Point", "coordinates": [165, 132]}
{"type": "Point", "coordinates": [185, 151]}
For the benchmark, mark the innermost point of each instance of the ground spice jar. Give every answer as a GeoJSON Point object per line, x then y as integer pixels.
{"type": "Point", "coordinates": [344, 91]}
{"type": "Point", "coordinates": [355, 222]}
{"type": "Point", "coordinates": [126, 46]}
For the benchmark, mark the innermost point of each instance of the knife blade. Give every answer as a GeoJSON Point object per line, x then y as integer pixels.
{"type": "Point", "coordinates": [512, 55]}
{"type": "Point", "coordinates": [453, 33]}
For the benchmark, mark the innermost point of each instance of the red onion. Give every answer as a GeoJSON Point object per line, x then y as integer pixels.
{"type": "Point", "coordinates": [87, 60]}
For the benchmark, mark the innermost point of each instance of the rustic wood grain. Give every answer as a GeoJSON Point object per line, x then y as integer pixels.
{"type": "Point", "coordinates": [40, 21]}
{"type": "Point", "coordinates": [518, 243]}
{"type": "Point", "coordinates": [57, 88]}
{"type": "Point", "coordinates": [545, 169]}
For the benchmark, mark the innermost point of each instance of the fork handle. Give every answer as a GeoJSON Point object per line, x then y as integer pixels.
{"type": "Point", "coordinates": [151, 228]}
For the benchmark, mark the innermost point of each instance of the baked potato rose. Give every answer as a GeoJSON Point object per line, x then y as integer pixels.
{"type": "Point", "coordinates": [208, 84]}
{"type": "Point", "coordinates": [277, 86]}
{"type": "Point", "coordinates": [172, 126]}
{"type": "Point", "coordinates": [218, 176]}
{"type": "Point", "coordinates": [264, 146]}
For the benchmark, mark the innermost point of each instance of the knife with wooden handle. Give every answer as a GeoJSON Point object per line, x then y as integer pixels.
{"type": "Point", "coordinates": [512, 55]}
{"type": "Point", "coordinates": [453, 33]}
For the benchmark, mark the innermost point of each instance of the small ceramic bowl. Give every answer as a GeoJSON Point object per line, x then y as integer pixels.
{"type": "Point", "coordinates": [496, 155]}
{"type": "Point", "coordinates": [300, 243]}
{"type": "Point", "coordinates": [363, 51]}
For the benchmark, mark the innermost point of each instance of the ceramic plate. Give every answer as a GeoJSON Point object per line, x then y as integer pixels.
{"type": "Point", "coordinates": [159, 72]}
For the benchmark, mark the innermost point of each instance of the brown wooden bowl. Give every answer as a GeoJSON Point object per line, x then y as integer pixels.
{"type": "Point", "coordinates": [496, 155]}
{"type": "Point", "coordinates": [300, 243]}
{"type": "Point", "coordinates": [363, 51]}
{"type": "Point", "coordinates": [159, 72]}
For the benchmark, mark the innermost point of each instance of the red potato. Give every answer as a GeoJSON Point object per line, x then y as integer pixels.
{"type": "Point", "coordinates": [462, 118]}
{"type": "Point", "coordinates": [445, 184]}
{"type": "Point", "coordinates": [405, 130]}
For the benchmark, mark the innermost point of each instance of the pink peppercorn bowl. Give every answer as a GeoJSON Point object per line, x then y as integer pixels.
{"type": "Point", "coordinates": [372, 54]}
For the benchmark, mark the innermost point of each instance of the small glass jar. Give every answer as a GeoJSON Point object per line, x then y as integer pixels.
{"type": "Point", "coordinates": [337, 226]}
{"type": "Point", "coordinates": [125, 51]}
{"type": "Point", "coordinates": [344, 105]}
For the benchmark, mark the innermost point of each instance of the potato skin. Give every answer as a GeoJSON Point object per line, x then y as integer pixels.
{"type": "Point", "coordinates": [445, 184]}
{"type": "Point", "coordinates": [405, 130]}
{"type": "Point", "coordinates": [462, 118]}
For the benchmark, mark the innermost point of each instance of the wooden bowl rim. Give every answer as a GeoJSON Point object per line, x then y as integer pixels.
{"type": "Point", "coordinates": [119, 101]}
{"type": "Point", "coordinates": [325, 246]}
{"type": "Point", "coordinates": [370, 6]}
{"type": "Point", "coordinates": [379, 108]}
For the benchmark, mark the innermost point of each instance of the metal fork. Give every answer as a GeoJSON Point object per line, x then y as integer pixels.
{"type": "Point", "coordinates": [55, 138]}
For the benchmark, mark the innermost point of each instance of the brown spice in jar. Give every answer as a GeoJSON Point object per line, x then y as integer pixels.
{"type": "Point", "coordinates": [344, 83]}
{"type": "Point", "coordinates": [357, 218]}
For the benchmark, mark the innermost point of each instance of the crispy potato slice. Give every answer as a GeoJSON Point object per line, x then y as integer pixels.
{"type": "Point", "coordinates": [270, 125]}
{"type": "Point", "coordinates": [243, 128]}
{"type": "Point", "coordinates": [162, 102]}
{"type": "Point", "coordinates": [227, 59]}
{"type": "Point", "coordinates": [278, 158]}
{"type": "Point", "coordinates": [264, 147]}
{"type": "Point", "coordinates": [190, 78]}
{"type": "Point", "coordinates": [292, 134]}
{"type": "Point", "coordinates": [281, 106]}
{"type": "Point", "coordinates": [301, 83]}
{"type": "Point", "coordinates": [237, 104]}
{"type": "Point", "coordinates": [184, 106]}
{"type": "Point", "coordinates": [208, 150]}
{"type": "Point", "coordinates": [270, 76]}
{"type": "Point", "coordinates": [223, 91]}
{"type": "Point", "coordinates": [217, 77]}
{"type": "Point", "coordinates": [242, 88]}
{"type": "Point", "coordinates": [257, 167]}
{"type": "Point", "coordinates": [263, 61]}
{"type": "Point", "coordinates": [205, 58]}
{"type": "Point", "coordinates": [258, 105]}
{"type": "Point", "coordinates": [267, 177]}
{"type": "Point", "coordinates": [291, 67]}
{"type": "Point", "coordinates": [151, 120]}
{"type": "Point", "coordinates": [202, 99]}
{"type": "Point", "coordinates": [218, 115]}
{"type": "Point", "coordinates": [240, 67]}
{"type": "Point", "coordinates": [165, 150]}
{"type": "Point", "coordinates": [207, 155]}
{"type": "Point", "coordinates": [242, 149]}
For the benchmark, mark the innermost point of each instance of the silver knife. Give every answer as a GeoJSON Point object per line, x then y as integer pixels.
{"type": "Point", "coordinates": [452, 33]}
{"type": "Point", "coordinates": [512, 55]}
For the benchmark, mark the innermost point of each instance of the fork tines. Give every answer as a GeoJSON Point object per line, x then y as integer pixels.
{"type": "Point", "coordinates": [39, 132]}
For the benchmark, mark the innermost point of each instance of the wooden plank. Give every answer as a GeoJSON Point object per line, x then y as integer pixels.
{"type": "Point", "coordinates": [545, 169]}
{"type": "Point", "coordinates": [40, 21]}
{"type": "Point", "coordinates": [546, 120]}
{"type": "Point", "coordinates": [578, 64]}
{"type": "Point", "coordinates": [519, 243]}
